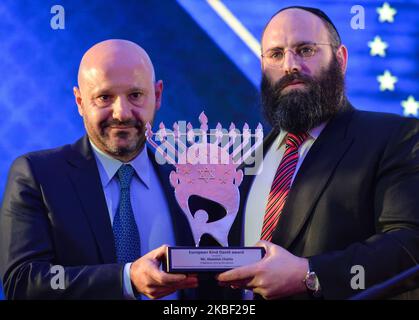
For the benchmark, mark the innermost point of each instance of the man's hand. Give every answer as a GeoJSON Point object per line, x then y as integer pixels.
{"type": "Point", "coordinates": [278, 274]}
{"type": "Point", "coordinates": [149, 280]}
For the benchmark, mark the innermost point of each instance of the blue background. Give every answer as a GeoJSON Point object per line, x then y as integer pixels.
{"type": "Point", "coordinates": [203, 63]}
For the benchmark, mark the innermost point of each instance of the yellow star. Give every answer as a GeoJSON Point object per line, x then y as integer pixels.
{"type": "Point", "coordinates": [387, 81]}
{"type": "Point", "coordinates": [410, 106]}
{"type": "Point", "coordinates": [378, 47]}
{"type": "Point", "coordinates": [386, 13]}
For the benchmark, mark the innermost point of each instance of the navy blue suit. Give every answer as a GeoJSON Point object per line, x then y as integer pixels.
{"type": "Point", "coordinates": [54, 213]}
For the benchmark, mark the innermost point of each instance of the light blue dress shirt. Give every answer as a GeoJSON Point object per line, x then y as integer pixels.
{"type": "Point", "coordinates": [148, 201]}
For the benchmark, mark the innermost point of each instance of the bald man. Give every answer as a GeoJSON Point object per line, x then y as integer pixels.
{"type": "Point", "coordinates": [91, 220]}
{"type": "Point", "coordinates": [336, 205]}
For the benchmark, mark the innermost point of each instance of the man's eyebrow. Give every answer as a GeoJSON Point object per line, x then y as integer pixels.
{"type": "Point", "coordinates": [301, 43]}
{"type": "Point", "coordinates": [108, 91]}
{"type": "Point", "coordinates": [297, 44]}
{"type": "Point", "coordinates": [135, 89]}
{"type": "Point", "coordinates": [101, 92]}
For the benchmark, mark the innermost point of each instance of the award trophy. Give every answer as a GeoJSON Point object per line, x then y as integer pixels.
{"type": "Point", "coordinates": [206, 168]}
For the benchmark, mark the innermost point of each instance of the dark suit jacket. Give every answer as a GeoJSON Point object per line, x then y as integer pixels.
{"type": "Point", "coordinates": [354, 201]}
{"type": "Point", "coordinates": [54, 213]}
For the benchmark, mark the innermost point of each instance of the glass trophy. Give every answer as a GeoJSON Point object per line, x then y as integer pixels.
{"type": "Point", "coordinates": [206, 165]}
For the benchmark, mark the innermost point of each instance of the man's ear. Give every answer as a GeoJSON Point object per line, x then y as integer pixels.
{"type": "Point", "coordinates": [77, 96]}
{"type": "Point", "coordinates": [158, 89]}
{"type": "Point", "coordinates": [342, 56]}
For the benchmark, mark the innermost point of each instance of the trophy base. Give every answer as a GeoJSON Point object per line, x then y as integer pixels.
{"type": "Point", "coordinates": [210, 259]}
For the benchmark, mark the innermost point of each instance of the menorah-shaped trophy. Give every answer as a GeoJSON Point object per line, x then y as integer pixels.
{"type": "Point", "coordinates": [205, 167]}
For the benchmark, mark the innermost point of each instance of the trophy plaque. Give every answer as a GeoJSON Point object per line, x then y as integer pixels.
{"type": "Point", "coordinates": [206, 165]}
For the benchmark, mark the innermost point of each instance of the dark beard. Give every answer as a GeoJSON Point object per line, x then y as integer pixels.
{"type": "Point", "coordinates": [124, 151]}
{"type": "Point", "coordinates": [299, 111]}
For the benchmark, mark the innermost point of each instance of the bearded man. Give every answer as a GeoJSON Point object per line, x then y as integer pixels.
{"type": "Point", "coordinates": [336, 203]}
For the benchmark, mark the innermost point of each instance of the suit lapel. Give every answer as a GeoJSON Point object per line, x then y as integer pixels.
{"type": "Point", "coordinates": [86, 181]}
{"type": "Point", "coordinates": [313, 177]}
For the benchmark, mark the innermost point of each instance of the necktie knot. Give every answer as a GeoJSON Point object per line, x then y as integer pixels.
{"type": "Point", "coordinates": [125, 174]}
{"type": "Point", "coordinates": [295, 140]}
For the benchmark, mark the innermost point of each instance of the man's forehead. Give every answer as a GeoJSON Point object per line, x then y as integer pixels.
{"type": "Point", "coordinates": [116, 66]}
{"type": "Point", "coordinates": [113, 58]}
{"type": "Point", "coordinates": [118, 74]}
{"type": "Point", "coordinates": [294, 25]}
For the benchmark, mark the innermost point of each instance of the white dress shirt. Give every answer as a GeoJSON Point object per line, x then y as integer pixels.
{"type": "Point", "coordinates": [261, 187]}
{"type": "Point", "coordinates": [148, 201]}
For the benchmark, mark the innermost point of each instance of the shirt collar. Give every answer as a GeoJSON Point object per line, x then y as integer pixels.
{"type": "Point", "coordinates": [313, 134]}
{"type": "Point", "coordinates": [110, 166]}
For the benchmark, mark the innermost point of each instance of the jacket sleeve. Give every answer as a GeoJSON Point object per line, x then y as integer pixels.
{"type": "Point", "coordinates": [395, 246]}
{"type": "Point", "coordinates": [27, 249]}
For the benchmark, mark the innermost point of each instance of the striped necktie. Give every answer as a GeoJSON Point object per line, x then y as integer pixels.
{"type": "Point", "coordinates": [281, 184]}
{"type": "Point", "coordinates": [127, 238]}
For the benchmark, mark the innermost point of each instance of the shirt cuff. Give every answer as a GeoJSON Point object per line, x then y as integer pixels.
{"type": "Point", "coordinates": [127, 286]}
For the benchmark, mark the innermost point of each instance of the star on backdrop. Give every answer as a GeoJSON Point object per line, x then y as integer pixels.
{"type": "Point", "coordinates": [378, 47]}
{"type": "Point", "coordinates": [387, 81]}
{"type": "Point", "coordinates": [386, 13]}
{"type": "Point", "coordinates": [410, 106]}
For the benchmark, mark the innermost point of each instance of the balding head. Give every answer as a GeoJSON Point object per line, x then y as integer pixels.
{"type": "Point", "coordinates": [113, 53]}
{"type": "Point", "coordinates": [117, 96]}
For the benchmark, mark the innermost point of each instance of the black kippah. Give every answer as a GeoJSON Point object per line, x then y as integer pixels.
{"type": "Point", "coordinates": [315, 11]}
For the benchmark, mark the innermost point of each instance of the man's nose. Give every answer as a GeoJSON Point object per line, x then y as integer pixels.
{"type": "Point", "coordinates": [122, 109]}
{"type": "Point", "coordinates": [291, 62]}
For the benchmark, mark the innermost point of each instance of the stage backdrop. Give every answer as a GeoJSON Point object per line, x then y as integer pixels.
{"type": "Point", "coordinates": [205, 51]}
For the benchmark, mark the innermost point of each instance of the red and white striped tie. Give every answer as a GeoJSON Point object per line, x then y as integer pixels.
{"type": "Point", "coordinates": [281, 184]}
